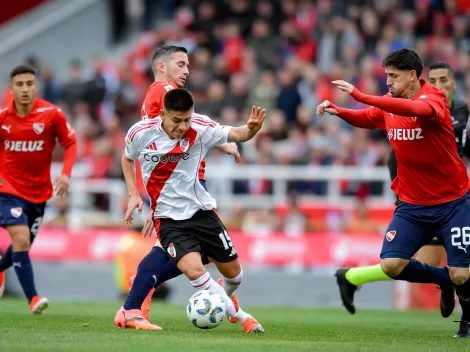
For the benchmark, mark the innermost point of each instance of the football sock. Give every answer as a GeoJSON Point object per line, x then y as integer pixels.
{"type": "Point", "coordinates": [6, 261]}
{"type": "Point", "coordinates": [147, 276]}
{"type": "Point", "coordinates": [169, 272]}
{"type": "Point", "coordinates": [416, 271]}
{"type": "Point", "coordinates": [205, 282]}
{"type": "Point", "coordinates": [230, 285]}
{"type": "Point", "coordinates": [24, 272]}
{"type": "Point", "coordinates": [364, 274]}
{"type": "Point", "coordinates": [463, 292]}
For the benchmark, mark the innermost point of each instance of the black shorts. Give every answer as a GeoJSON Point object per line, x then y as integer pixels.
{"type": "Point", "coordinates": [204, 232]}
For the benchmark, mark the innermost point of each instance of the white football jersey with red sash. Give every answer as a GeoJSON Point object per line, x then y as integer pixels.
{"type": "Point", "coordinates": [170, 166]}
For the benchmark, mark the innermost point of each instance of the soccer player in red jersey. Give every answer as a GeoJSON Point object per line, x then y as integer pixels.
{"type": "Point", "coordinates": [441, 75]}
{"type": "Point", "coordinates": [432, 182]}
{"type": "Point", "coordinates": [29, 128]}
{"type": "Point", "coordinates": [170, 65]}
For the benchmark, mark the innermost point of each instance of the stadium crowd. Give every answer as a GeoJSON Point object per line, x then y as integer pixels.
{"type": "Point", "coordinates": [280, 55]}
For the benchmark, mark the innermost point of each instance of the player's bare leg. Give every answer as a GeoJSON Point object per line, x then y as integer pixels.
{"type": "Point", "coordinates": [231, 280]}
{"type": "Point", "coordinates": [432, 255]}
{"type": "Point", "coordinates": [191, 265]}
{"type": "Point", "coordinates": [20, 239]}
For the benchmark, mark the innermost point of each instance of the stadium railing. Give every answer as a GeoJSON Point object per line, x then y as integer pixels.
{"type": "Point", "coordinates": [220, 183]}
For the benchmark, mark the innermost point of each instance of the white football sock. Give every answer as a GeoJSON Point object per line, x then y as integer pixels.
{"type": "Point", "coordinates": [205, 282]}
{"type": "Point", "coordinates": [230, 285]}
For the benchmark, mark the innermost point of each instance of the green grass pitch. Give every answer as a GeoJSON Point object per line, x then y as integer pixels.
{"type": "Point", "coordinates": [88, 327]}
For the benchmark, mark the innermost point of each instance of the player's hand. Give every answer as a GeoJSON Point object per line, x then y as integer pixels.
{"type": "Point", "coordinates": [344, 86]}
{"type": "Point", "coordinates": [325, 107]}
{"type": "Point", "coordinates": [255, 122]}
{"type": "Point", "coordinates": [231, 149]}
{"type": "Point", "coordinates": [148, 227]}
{"type": "Point", "coordinates": [61, 185]}
{"type": "Point", "coordinates": [135, 202]}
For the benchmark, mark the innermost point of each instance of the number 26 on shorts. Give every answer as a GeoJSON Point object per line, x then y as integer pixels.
{"type": "Point", "coordinates": [460, 236]}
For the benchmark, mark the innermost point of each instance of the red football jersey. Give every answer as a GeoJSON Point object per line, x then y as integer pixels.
{"type": "Point", "coordinates": [28, 143]}
{"type": "Point", "coordinates": [153, 105]}
{"type": "Point", "coordinates": [430, 170]}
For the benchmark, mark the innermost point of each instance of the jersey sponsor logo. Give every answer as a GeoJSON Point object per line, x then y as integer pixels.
{"type": "Point", "coordinates": [38, 128]}
{"type": "Point", "coordinates": [24, 146]}
{"type": "Point", "coordinates": [405, 134]}
{"type": "Point", "coordinates": [128, 142]}
{"type": "Point", "coordinates": [171, 250]}
{"type": "Point", "coordinates": [167, 158]}
{"type": "Point", "coordinates": [6, 128]}
{"type": "Point", "coordinates": [16, 212]}
{"type": "Point", "coordinates": [184, 144]}
{"type": "Point", "coordinates": [390, 235]}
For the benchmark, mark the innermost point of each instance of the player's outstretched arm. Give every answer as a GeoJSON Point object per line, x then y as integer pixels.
{"type": "Point", "coordinates": [247, 132]}
{"type": "Point", "coordinates": [365, 118]}
{"type": "Point", "coordinates": [135, 201]}
{"type": "Point", "coordinates": [398, 106]}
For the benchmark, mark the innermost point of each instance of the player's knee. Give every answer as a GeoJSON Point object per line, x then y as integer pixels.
{"type": "Point", "coordinates": [459, 275]}
{"type": "Point", "coordinates": [230, 270]}
{"type": "Point", "coordinates": [392, 267]}
{"type": "Point", "coordinates": [191, 266]}
{"type": "Point", "coordinates": [20, 238]}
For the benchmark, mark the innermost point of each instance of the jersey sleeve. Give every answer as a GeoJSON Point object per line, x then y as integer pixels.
{"type": "Point", "coordinates": [437, 103]}
{"type": "Point", "coordinates": [213, 133]}
{"type": "Point", "coordinates": [64, 131]}
{"type": "Point", "coordinates": [133, 141]}
{"type": "Point", "coordinates": [153, 104]}
{"type": "Point", "coordinates": [366, 118]}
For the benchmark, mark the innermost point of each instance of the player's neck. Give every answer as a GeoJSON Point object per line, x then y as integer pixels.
{"type": "Point", "coordinates": [23, 110]}
{"type": "Point", "coordinates": [412, 91]}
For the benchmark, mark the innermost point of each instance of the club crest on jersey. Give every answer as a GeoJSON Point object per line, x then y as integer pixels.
{"type": "Point", "coordinates": [390, 235]}
{"type": "Point", "coordinates": [16, 212]}
{"type": "Point", "coordinates": [38, 128]}
{"type": "Point", "coordinates": [184, 144]}
{"type": "Point", "coordinates": [171, 250]}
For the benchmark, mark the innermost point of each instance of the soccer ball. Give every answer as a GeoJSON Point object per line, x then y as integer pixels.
{"type": "Point", "coordinates": [206, 309]}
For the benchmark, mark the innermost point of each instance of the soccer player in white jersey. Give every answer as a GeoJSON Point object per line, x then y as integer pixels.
{"type": "Point", "coordinates": [170, 150]}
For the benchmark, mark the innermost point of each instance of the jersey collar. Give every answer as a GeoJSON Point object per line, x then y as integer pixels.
{"type": "Point", "coordinates": [11, 107]}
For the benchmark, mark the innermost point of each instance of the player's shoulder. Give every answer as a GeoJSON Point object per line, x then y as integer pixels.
{"type": "Point", "coordinates": [3, 110]}
{"type": "Point", "coordinates": [202, 122]}
{"type": "Point", "coordinates": [45, 107]}
{"type": "Point", "coordinates": [142, 127]}
{"type": "Point", "coordinates": [459, 105]}
{"type": "Point", "coordinates": [428, 91]}
{"type": "Point", "coordinates": [159, 87]}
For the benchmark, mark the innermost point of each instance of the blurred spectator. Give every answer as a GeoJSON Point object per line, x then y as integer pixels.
{"type": "Point", "coordinates": [73, 88]}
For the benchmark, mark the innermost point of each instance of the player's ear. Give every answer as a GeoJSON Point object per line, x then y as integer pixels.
{"type": "Point", "coordinates": [453, 84]}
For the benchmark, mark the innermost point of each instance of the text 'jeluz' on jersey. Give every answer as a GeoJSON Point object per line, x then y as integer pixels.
{"type": "Point", "coordinates": [405, 134]}
{"type": "Point", "coordinates": [24, 146]}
